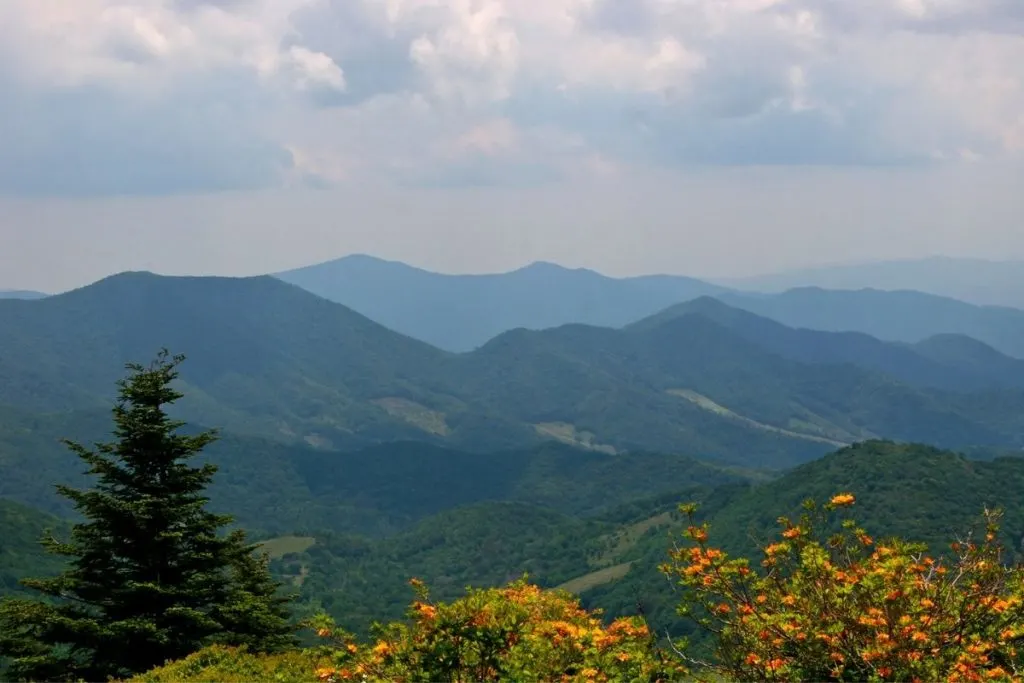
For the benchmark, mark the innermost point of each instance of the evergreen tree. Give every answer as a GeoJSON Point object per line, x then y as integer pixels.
{"type": "Point", "coordinates": [151, 576]}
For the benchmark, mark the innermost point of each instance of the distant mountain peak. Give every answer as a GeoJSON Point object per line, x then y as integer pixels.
{"type": "Point", "coordinates": [549, 267]}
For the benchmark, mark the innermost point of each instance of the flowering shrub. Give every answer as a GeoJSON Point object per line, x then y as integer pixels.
{"type": "Point", "coordinates": [517, 632]}
{"type": "Point", "coordinates": [841, 607]}
{"type": "Point", "coordinates": [237, 665]}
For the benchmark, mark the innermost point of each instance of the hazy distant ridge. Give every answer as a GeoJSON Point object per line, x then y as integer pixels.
{"type": "Point", "coordinates": [461, 312]}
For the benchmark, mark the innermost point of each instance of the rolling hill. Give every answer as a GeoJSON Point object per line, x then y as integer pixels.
{"type": "Point", "coordinates": [462, 312]}
{"type": "Point", "coordinates": [20, 294]}
{"type": "Point", "coordinates": [905, 316]}
{"type": "Point", "coordinates": [21, 554]}
{"type": "Point", "coordinates": [269, 359]}
{"type": "Point", "coordinates": [946, 361]}
{"type": "Point", "coordinates": [978, 281]}
{"type": "Point", "coordinates": [276, 487]}
{"type": "Point", "coordinates": [913, 491]}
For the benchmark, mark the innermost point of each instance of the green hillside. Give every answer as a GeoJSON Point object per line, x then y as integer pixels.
{"type": "Point", "coordinates": [360, 580]}
{"type": "Point", "coordinates": [462, 312]}
{"type": "Point", "coordinates": [21, 554]}
{"type": "Point", "coordinates": [276, 487]}
{"type": "Point", "coordinates": [269, 360]}
{"type": "Point", "coordinates": [895, 315]}
{"type": "Point", "coordinates": [911, 491]}
{"type": "Point", "coordinates": [947, 361]}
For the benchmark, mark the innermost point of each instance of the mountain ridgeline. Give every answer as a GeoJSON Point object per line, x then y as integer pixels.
{"type": "Point", "coordinates": [462, 312]}
{"type": "Point", "coordinates": [269, 359]}
{"type": "Point", "coordinates": [359, 456]}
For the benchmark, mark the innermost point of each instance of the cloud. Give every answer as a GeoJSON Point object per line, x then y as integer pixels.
{"type": "Point", "coordinates": [165, 96]}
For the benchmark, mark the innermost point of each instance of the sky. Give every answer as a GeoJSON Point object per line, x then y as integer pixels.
{"type": "Point", "coordinates": [706, 137]}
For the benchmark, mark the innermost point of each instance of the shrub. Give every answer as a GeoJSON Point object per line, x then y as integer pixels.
{"type": "Point", "coordinates": [841, 607]}
{"type": "Point", "coordinates": [237, 665]}
{"type": "Point", "coordinates": [517, 632]}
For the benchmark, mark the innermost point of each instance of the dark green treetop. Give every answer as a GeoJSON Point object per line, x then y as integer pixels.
{"type": "Point", "coordinates": [150, 574]}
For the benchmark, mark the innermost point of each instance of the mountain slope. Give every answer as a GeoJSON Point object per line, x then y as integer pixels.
{"type": "Point", "coordinates": [906, 316]}
{"type": "Point", "coordinates": [269, 359]}
{"type": "Point", "coordinates": [978, 281]}
{"type": "Point", "coordinates": [20, 294]}
{"type": "Point", "coordinates": [913, 491]}
{"type": "Point", "coordinates": [277, 487]}
{"type": "Point", "coordinates": [21, 554]}
{"type": "Point", "coordinates": [462, 312]}
{"type": "Point", "coordinates": [264, 357]}
{"type": "Point", "coordinates": [947, 361]}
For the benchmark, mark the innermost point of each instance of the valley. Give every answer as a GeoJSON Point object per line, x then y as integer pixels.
{"type": "Point", "coordinates": [358, 457]}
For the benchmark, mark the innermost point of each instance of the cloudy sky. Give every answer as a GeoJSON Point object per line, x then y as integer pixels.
{"type": "Point", "coordinates": [710, 137]}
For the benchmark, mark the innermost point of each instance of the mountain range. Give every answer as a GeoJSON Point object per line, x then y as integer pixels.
{"type": "Point", "coordinates": [20, 294]}
{"type": "Point", "coordinates": [361, 455]}
{"type": "Point", "coordinates": [462, 312]}
{"type": "Point", "coordinates": [977, 281]}
{"type": "Point", "coordinates": [269, 359]}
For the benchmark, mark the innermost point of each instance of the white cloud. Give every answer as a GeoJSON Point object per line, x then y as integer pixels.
{"type": "Point", "coordinates": [237, 93]}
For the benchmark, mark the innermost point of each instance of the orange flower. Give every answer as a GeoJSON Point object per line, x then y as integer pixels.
{"type": "Point", "coordinates": [791, 533]}
{"type": "Point", "coordinates": [426, 611]}
{"type": "Point", "coordinates": [842, 499]}
{"type": "Point", "coordinates": [323, 633]}
{"type": "Point", "coordinates": [752, 660]}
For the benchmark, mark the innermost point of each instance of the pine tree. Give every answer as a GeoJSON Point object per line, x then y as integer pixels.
{"type": "Point", "coordinates": [151, 574]}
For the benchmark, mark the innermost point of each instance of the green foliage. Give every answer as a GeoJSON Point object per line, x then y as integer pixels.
{"type": "Point", "coordinates": [238, 665]}
{"type": "Point", "coordinates": [149, 578]}
{"type": "Point", "coordinates": [360, 581]}
{"type": "Point", "coordinates": [517, 632]}
{"type": "Point", "coordinates": [275, 488]}
{"type": "Point", "coordinates": [905, 490]}
{"type": "Point", "coordinates": [21, 554]}
{"type": "Point", "coordinates": [838, 606]}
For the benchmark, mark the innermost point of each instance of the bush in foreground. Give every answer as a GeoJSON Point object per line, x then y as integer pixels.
{"type": "Point", "coordinates": [514, 633]}
{"type": "Point", "coordinates": [841, 607]}
{"type": "Point", "coordinates": [517, 632]}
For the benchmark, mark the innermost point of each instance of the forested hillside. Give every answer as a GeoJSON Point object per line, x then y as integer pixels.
{"type": "Point", "coordinates": [271, 360]}
{"type": "Point", "coordinates": [462, 312]}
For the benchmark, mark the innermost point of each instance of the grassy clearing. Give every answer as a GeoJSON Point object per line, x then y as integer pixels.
{"type": "Point", "coordinates": [416, 414]}
{"type": "Point", "coordinates": [567, 433]}
{"type": "Point", "coordinates": [706, 403]}
{"type": "Point", "coordinates": [626, 538]}
{"type": "Point", "coordinates": [286, 545]}
{"type": "Point", "coordinates": [581, 584]}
